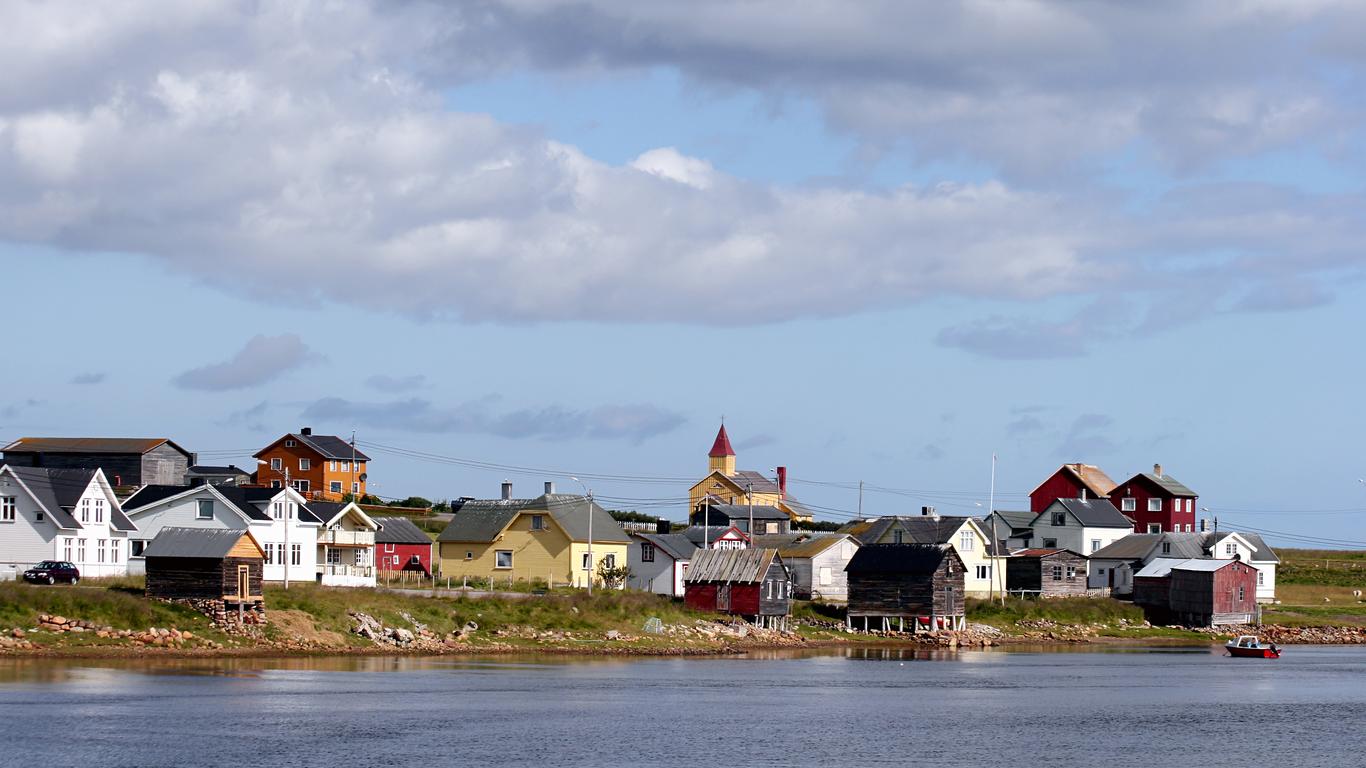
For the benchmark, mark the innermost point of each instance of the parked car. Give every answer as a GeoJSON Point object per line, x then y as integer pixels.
{"type": "Point", "coordinates": [51, 572]}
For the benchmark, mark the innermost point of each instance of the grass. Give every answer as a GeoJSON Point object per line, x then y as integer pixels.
{"type": "Point", "coordinates": [118, 604]}
{"type": "Point", "coordinates": [1320, 567]}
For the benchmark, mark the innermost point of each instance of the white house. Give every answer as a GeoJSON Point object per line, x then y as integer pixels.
{"type": "Point", "coordinates": [61, 514]}
{"type": "Point", "coordinates": [1085, 526]}
{"type": "Point", "coordinates": [816, 562]}
{"type": "Point", "coordinates": [277, 518]}
{"type": "Point", "coordinates": [964, 535]}
{"type": "Point", "coordinates": [659, 561]}
{"type": "Point", "coordinates": [346, 544]}
{"type": "Point", "coordinates": [1251, 549]}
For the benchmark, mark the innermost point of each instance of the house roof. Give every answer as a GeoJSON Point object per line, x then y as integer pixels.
{"type": "Point", "coordinates": [1089, 475]}
{"type": "Point", "coordinates": [211, 469]}
{"type": "Point", "coordinates": [244, 500]}
{"type": "Point", "coordinates": [59, 490]}
{"type": "Point", "coordinates": [213, 543]}
{"type": "Point", "coordinates": [1167, 483]}
{"type": "Point", "coordinates": [1044, 552]}
{"type": "Point", "coordinates": [399, 530]}
{"type": "Point", "coordinates": [327, 446]}
{"type": "Point", "coordinates": [88, 445]}
{"type": "Point", "coordinates": [898, 558]}
{"type": "Point", "coordinates": [731, 566]}
{"type": "Point", "coordinates": [1140, 546]}
{"type": "Point", "coordinates": [741, 512]}
{"type": "Point", "coordinates": [1158, 568]}
{"type": "Point", "coordinates": [327, 511]}
{"type": "Point", "coordinates": [801, 543]}
{"type": "Point", "coordinates": [920, 529]}
{"type": "Point", "coordinates": [675, 545]}
{"type": "Point", "coordinates": [1264, 553]}
{"type": "Point", "coordinates": [151, 494]}
{"type": "Point", "coordinates": [722, 445]}
{"type": "Point", "coordinates": [694, 533]}
{"type": "Point", "coordinates": [1093, 513]}
{"type": "Point", "coordinates": [1017, 519]}
{"type": "Point", "coordinates": [484, 519]}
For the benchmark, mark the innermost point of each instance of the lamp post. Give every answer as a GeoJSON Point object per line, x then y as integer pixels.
{"type": "Point", "coordinates": [588, 494]}
{"type": "Point", "coordinates": [285, 511]}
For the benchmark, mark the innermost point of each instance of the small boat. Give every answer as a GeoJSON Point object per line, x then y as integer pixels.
{"type": "Point", "coordinates": [1250, 647]}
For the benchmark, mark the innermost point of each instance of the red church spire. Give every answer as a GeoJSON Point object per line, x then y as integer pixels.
{"type": "Point", "coordinates": [722, 445]}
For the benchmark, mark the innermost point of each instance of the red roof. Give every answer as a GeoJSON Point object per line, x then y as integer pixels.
{"type": "Point", "coordinates": [722, 445]}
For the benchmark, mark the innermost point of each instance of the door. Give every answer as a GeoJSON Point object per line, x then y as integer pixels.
{"type": "Point", "coordinates": [243, 582]}
{"type": "Point", "coordinates": [723, 597]}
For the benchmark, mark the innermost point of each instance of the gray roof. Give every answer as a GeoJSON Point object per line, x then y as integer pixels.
{"type": "Point", "coordinates": [1201, 564]}
{"type": "Point", "coordinates": [1141, 546]}
{"type": "Point", "coordinates": [399, 530]}
{"type": "Point", "coordinates": [1093, 513]}
{"type": "Point", "coordinates": [731, 566]}
{"type": "Point", "coordinates": [675, 545]}
{"type": "Point", "coordinates": [194, 542]}
{"type": "Point", "coordinates": [1135, 546]}
{"type": "Point", "coordinates": [211, 469]}
{"type": "Point", "coordinates": [800, 544]}
{"type": "Point", "coordinates": [1165, 482]}
{"type": "Point", "coordinates": [755, 481]}
{"type": "Point", "coordinates": [244, 500]}
{"type": "Point", "coordinates": [327, 446]}
{"type": "Point", "coordinates": [899, 558]}
{"type": "Point", "coordinates": [1158, 568]}
{"type": "Point", "coordinates": [920, 529]}
{"type": "Point", "coordinates": [114, 445]}
{"type": "Point", "coordinates": [740, 512]}
{"type": "Point", "coordinates": [58, 491]}
{"type": "Point", "coordinates": [483, 519]}
{"type": "Point", "coordinates": [1018, 520]}
{"type": "Point", "coordinates": [148, 495]}
{"type": "Point", "coordinates": [694, 533]}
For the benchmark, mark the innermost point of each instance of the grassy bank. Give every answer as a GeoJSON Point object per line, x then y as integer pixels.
{"type": "Point", "coordinates": [117, 603]}
{"type": "Point", "coordinates": [1321, 567]}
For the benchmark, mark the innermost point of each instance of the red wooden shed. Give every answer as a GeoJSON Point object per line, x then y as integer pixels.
{"type": "Point", "coordinates": [402, 546]}
{"type": "Point", "coordinates": [741, 582]}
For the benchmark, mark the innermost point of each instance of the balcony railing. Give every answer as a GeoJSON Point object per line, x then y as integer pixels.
{"type": "Point", "coordinates": [337, 569]}
{"type": "Point", "coordinates": [347, 538]}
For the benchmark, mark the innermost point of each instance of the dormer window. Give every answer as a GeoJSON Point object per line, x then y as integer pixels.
{"type": "Point", "coordinates": [538, 522]}
{"type": "Point", "coordinates": [1166, 548]}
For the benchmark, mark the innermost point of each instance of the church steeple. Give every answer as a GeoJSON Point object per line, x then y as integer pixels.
{"type": "Point", "coordinates": [722, 455]}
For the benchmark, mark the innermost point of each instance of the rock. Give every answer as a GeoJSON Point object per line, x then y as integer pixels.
{"type": "Point", "coordinates": [187, 635]}
{"type": "Point", "coordinates": [58, 620]}
{"type": "Point", "coordinates": [76, 628]}
{"type": "Point", "coordinates": [17, 633]}
{"type": "Point", "coordinates": [612, 634]}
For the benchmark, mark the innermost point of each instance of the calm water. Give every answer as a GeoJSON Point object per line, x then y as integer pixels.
{"type": "Point", "coordinates": [1131, 707]}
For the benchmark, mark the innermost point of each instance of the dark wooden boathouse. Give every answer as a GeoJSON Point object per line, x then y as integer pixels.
{"type": "Point", "coordinates": [1046, 573]}
{"type": "Point", "coordinates": [892, 583]}
{"type": "Point", "coordinates": [205, 564]}
{"type": "Point", "coordinates": [752, 583]}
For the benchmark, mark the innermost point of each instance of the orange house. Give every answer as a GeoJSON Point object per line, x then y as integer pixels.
{"type": "Point", "coordinates": [318, 466]}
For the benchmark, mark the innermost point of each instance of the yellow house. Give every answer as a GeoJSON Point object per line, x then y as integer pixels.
{"type": "Point", "coordinates": [962, 534]}
{"type": "Point", "coordinates": [541, 539]}
{"type": "Point", "coordinates": [724, 484]}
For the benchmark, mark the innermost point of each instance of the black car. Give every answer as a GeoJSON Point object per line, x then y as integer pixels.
{"type": "Point", "coordinates": [51, 572]}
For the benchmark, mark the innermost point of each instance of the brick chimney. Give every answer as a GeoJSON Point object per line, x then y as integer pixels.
{"type": "Point", "coordinates": [507, 489]}
{"type": "Point", "coordinates": [782, 482]}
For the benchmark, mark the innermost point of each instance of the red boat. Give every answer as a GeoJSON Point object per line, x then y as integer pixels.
{"type": "Point", "coordinates": [1250, 647]}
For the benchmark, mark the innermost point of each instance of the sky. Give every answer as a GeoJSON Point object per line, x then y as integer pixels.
{"type": "Point", "coordinates": [530, 240]}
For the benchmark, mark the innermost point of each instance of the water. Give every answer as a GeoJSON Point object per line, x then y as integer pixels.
{"type": "Point", "coordinates": [1118, 707]}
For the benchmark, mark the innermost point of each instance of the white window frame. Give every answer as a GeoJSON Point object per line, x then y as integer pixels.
{"type": "Point", "coordinates": [1128, 504]}
{"type": "Point", "coordinates": [99, 550]}
{"type": "Point", "coordinates": [277, 510]}
{"type": "Point", "coordinates": [1095, 545]}
{"type": "Point", "coordinates": [296, 554]}
{"type": "Point", "coordinates": [334, 486]}
{"type": "Point", "coordinates": [1261, 578]}
{"type": "Point", "coordinates": [345, 466]}
{"type": "Point", "coordinates": [827, 575]}
{"type": "Point", "coordinates": [305, 465]}
{"type": "Point", "coordinates": [609, 560]}
{"type": "Point", "coordinates": [85, 511]}
{"type": "Point", "coordinates": [1154, 527]}
{"type": "Point", "coordinates": [80, 551]}
{"type": "Point", "coordinates": [965, 539]}
{"type": "Point", "coordinates": [291, 443]}
{"type": "Point", "coordinates": [1230, 548]}
{"type": "Point", "coordinates": [67, 543]}
{"type": "Point", "coordinates": [499, 556]}
{"type": "Point", "coordinates": [538, 522]}
{"type": "Point", "coordinates": [1176, 505]}
{"type": "Point", "coordinates": [983, 571]}
{"type": "Point", "coordinates": [114, 550]}
{"type": "Point", "coordinates": [332, 466]}
{"type": "Point", "coordinates": [99, 510]}
{"type": "Point", "coordinates": [9, 509]}
{"type": "Point", "coordinates": [277, 464]}
{"type": "Point", "coordinates": [200, 506]}
{"type": "Point", "coordinates": [1154, 505]}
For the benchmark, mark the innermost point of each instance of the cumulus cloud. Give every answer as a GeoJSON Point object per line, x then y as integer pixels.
{"type": "Point", "coordinates": [262, 359]}
{"type": "Point", "coordinates": [633, 422]}
{"type": "Point", "coordinates": [88, 378]}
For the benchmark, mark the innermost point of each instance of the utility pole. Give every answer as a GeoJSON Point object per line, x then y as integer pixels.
{"type": "Point", "coordinates": [353, 489]}
{"type": "Point", "coordinates": [749, 491]}
{"type": "Point", "coordinates": [860, 499]}
{"type": "Point", "coordinates": [285, 511]}
{"type": "Point", "coordinates": [706, 521]}
{"type": "Point", "coordinates": [590, 541]}
{"type": "Point", "coordinates": [995, 542]}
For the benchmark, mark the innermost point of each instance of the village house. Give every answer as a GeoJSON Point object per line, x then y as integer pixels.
{"type": "Point", "coordinates": [891, 585]}
{"type": "Point", "coordinates": [278, 519]}
{"type": "Point", "coordinates": [724, 484]}
{"type": "Point", "coordinates": [317, 466]}
{"type": "Point", "coordinates": [346, 544]}
{"type": "Point", "coordinates": [962, 534]}
{"type": "Point", "coordinates": [126, 461]}
{"type": "Point", "coordinates": [1071, 481]}
{"type": "Point", "coordinates": [1113, 567]}
{"type": "Point", "coordinates": [1251, 549]}
{"type": "Point", "coordinates": [816, 562]}
{"type": "Point", "coordinates": [208, 474]}
{"type": "Point", "coordinates": [69, 515]}
{"type": "Point", "coordinates": [223, 564]}
{"type": "Point", "coordinates": [1046, 573]}
{"type": "Point", "coordinates": [752, 583]}
{"type": "Point", "coordinates": [767, 519]}
{"type": "Point", "coordinates": [1081, 525]}
{"type": "Point", "coordinates": [717, 537]}
{"type": "Point", "coordinates": [659, 561]}
{"type": "Point", "coordinates": [401, 546]}
{"type": "Point", "coordinates": [1010, 527]}
{"type": "Point", "coordinates": [542, 539]}
{"type": "Point", "coordinates": [1156, 502]}
{"type": "Point", "coordinates": [1197, 593]}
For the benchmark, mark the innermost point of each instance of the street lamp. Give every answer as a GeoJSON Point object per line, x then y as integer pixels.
{"type": "Point", "coordinates": [286, 554]}
{"type": "Point", "coordinates": [588, 494]}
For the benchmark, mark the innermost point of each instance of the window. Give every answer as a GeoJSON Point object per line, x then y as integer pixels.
{"type": "Point", "coordinates": [346, 466]}
{"type": "Point", "coordinates": [584, 566]}
{"type": "Point", "coordinates": [7, 509]}
{"type": "Point", "coordinates": [99, 550]}
{"type": "Point", "coordinates": [1230, 548]}
{"type": "Point", "coordinates": [80, 550]}
{"type": "Point", "coordinates": [296, 554]}
{"type": "Point", "coordinates": [897, 537]}
{"type": "Point", "coordinates": [1242, 593]}
{"type": "Point", "coordinates": [37, 516]}
{"type": "Point", "coordinates": [205, 510]}
{"type": "Point", "coordinates": [360, 558]}
{"type": "Point", "coordinates": [270, 554]}
{"type": "Point", "coordinates": [390, 548]}
{"type": "Point", "coordinates": [66, 549]}
{"type": "Point", "coordinates": [983, 571]}
{"type": "Point", "coordinates": [278, 510]}
{"type": "Point", "coordinates": [305, 465]}
{"type": "Point", "coordinates": [85, 510]}
{"type": "Point", "coordinates": [290, 443]}
{"type": "Point", "coordinates": [1057, 573]}
{"type": "Point", "coordinates": [965, 541]}
{"type": "Point", "coordinates": [1095, 545]}
{"type": "Point", "coordinates": [538, 522]}
{"type": "Point", "coordinates": [395, 559]}
{"type": "Point", "coordinates": [1261, 579]}
{"type": "Point", "coordinates": [99, 510]}
{"type": "Point", "coordinates": [1128, 504]}
{"type": "Point", "coordinates": [501, 559]}
{"type": "Point", "coordinates": [135, 547]}
{"type": "Point", "coordinates": [1154, 505]}
{"type": "Point", "coordinates": [277, 464]}
{"type": "Point", "coordinates": [1166, 547]}
{"type": "Point", "coordinates": [113, 550]}
{"type": "Point", "coordinates": [275, 484]}
{"type": "Point", "coordinates": [647, 552]}
{"type": "Point", "coordinates": [299, 485]}
{"type": "Point", "coordinates": [1060, 518]}
{"type": "Point", "coordinates": [331, 466]}
{"type": "Point", "coordinates": [468, 556]}
{"type": "Point", "coordinates": [1071, 571]}
{"type": "Point", "coordinates": [1050, 543]}
{"type": "Point", "coordinates": [355, 487]}
{"type": "Point", "coordinates": [770, 528]}
{"type": "Point", "coordinates": [1176, 505]}
{"type": "Point", "coordinates": [334, 486]}
{"type": "Point", "coordinates": [1188, 527]}
{"type": "Point", "coordinates": [827, 576]}
{"type": "Point", "coordinates": [1154, 528]}
{"type": "Point", "coordinates": [610, 561]}
{"type": "Point", "coordinates": [334, 556]}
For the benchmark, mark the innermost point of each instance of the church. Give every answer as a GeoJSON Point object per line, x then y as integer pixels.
{"type": "Point", "coordinates": [726, 487]}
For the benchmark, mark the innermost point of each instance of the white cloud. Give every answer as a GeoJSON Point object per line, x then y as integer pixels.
{"type": "Point", "coordinates": [262, 359]}
{"type": "Point", "coordinates": [669, 163]}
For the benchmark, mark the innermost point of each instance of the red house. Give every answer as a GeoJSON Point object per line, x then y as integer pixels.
{"type": "Point", "coordinates": [402, 546]}
{"type": "Point", "coordinates": [1071, 481]}
{"type": "Point", "coordinates": [1197, 593]}
{"type": "Point", "coordinates": [752, 583]}
{"type": "Point", "coordinates": [1156, 502]}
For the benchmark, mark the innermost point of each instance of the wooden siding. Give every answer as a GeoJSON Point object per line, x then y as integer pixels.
{"type": "Point", "coordinates": [163, 465]}
{"type": "Point", "coordinates": [202, 578]}
{"type": "Point", "coordinates": [1062, 485]}
{"type": "Point", "coordinates": [1141, 489]}
{"type": "Point", "coordinates": [909, 595]}
{"type": "Point", "coordinates": [1035, 575]}
{"type": "Point", "coordinates": [318, 473]}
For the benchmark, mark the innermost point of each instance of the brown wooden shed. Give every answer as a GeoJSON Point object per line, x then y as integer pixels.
{"type": "Point", "coordinates": [205, 564]}
{"type": "Point", "coordinates": [1046, 573]}
{"type": "Point", "coordinates": [891, 583]}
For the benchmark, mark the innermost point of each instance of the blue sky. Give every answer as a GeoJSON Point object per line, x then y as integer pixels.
{"type": "Point", "coordinates": [572, 239]}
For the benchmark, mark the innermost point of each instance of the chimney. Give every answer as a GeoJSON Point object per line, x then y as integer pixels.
{"type": "Point", "coordinates": [663, 526]}
{"type": "Point", "coordinates": [1083, 494]}
{"type": "Point", "coordinates": [1203, 525]}
{"type": "Point", "coordinates": [928, 512]}
{"type": "Point", "coordinates": [1157, 470]}
{"type": "Point", "coordinates": [305, 431]}
{"type": "Point", "coordinates": [782, 482]}
{"type": "Point", "coordinates": [549, 487]}
{"type": "Point", "coordinates": [507, 489]}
